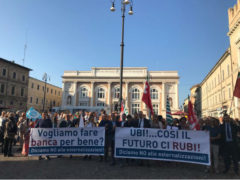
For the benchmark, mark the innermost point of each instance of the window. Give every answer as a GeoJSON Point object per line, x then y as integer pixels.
{"type": "Point", "coordinates": [228, 70]}
{"type": "Point", "coordinates": [1, 102]}
{"type": "Point", "coordinates": [101, 93]}
{"type": "Point", "coordinates": [155, 108]}
{"type": "Point", "coordinates": [30, 99]}
{"type": "Point", "coordinates": [51, 91]}
{"type": "Point", "coordinates": [100, 104]}
{"type": "Point", "coordinates": [116, 92]}
{"type": "Point", "coordinates": [13, 90]}
{"type": "Point", "coordinates": [4, 72]}
{"type": "Point", "coordinates": [135, 108]}
{"type": "Point", "coordinates": [14, 75]}
{"type": "Point", "coordinates": [23, 78]}
{"type": "Point", "coordinates": [36, 100]}
{"type": "Point", "coordinates": [223, 95]}
{"type": "Point", "coordinates": [222, 74]}
{"type": "Point", "coordinates": [54, 103]}
{"type": "Point", "coordinates": [11, 102]}
{"type": "Point", "coordinates": [229, 93]}
{"type": "Point", "coordinates": [22, 91]}
{"type": "Point", "coordinates": [154, 94]}
{"type": "Point", "coordinates": [32, 85]}
{"type": "Point", "coordinates": [83, 92]}
{"type": "Point", "coordinates": [170, 101]}
{"type": "Point", "coordinates": [59, 93]}
{"type": "Point", "coordinates": [55, 92]}
{"type": "Point", "coordinates": [83, 104]}
{"type": "Point", "coordinates": [135, 94]}
{"type": "Point", "coordinates": [43, 88]}
{"type": "Point", "coordinates": [38, 87]}
{"type": "Point", "coordinates": [2, 88]}
{"type": "Point", "coordinates": [47, 89]}
{"type": "Point", "coordinates": [69, 100]}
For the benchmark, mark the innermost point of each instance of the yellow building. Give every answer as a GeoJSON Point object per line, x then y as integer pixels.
{"type": "Point", "coordinates": [36, 95]}
{"type": "Point", "coordinates": [218, 86]}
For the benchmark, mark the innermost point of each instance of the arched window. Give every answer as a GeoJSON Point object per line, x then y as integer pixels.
{"type": "Point", "coordinates": [170, 102]}
{"type": "Point", "coordinates": [135, 94]}
{"type": "Point", "coordinates": [101, 93]}
{"type": "Point", "coordinates": [116, 92]}
{"type": "Point", "coordinates": [83, 92]}
{"type": "Point", "coordinates": [154, 94]}
{"type": "Point", "coordinates": [69, 100]}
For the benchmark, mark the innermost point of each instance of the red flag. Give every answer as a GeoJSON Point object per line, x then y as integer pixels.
{"type": "Point", "coordinates": [236, 92]}
{"type": "Point", "coordinates": [192, 118]}
{"type": "Point", "coordinates": [146, 98]}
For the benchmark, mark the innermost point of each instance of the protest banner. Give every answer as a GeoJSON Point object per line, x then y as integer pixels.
{"type": "Point", "coordinates": [66, 141]}
{"type": "Point", "coordinates": [163, 144]}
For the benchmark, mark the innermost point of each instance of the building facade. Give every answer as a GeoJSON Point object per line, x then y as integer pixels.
{"type": "Point", "coordinates": [13, 85]}
{"type": "Point", "coordinates": [99, 89]}
{"type": "Point", "coordinates": [36, 90]}
{"type": "Point", "coordinates": [218, 86]}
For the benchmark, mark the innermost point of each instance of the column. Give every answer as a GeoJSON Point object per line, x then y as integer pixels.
{"type": "Point", "coordinates": [163, 96]}
{"type": "Point", "coordinates": [109, 96]}
{"type": "Point", "coordinates": [75, 94]}
{"type": "Point", "coordinates": [92, 93]}
{"type": "Point", "coordinates": [63, 96]}
{"type": "Point", "coordinates": [126, 101]}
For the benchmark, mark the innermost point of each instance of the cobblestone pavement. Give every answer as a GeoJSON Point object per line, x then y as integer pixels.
{"type": "Point", "coordinates": [76, 167]}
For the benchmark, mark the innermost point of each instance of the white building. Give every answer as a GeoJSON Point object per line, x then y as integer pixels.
{"type": "Point", "coordinates": [99, 88]}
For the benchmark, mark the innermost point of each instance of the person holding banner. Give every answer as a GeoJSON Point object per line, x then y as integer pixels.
{"type": "Point", "coordinates": [45, 122]}
{"type": "Point", "coordinates": [90, 124]}
{"type": "Point", "coordinates": [107, 123]}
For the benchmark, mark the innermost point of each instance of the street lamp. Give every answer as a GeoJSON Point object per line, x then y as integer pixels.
{"type": "Point", "coordinates": [124, 3]}
{"type": "Point", "coordinates": [45, 78]}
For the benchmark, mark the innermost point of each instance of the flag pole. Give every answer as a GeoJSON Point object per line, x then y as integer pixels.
{"type": "Point", "coordinates": [149, 111]}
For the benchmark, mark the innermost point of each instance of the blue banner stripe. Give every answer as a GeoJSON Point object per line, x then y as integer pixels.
{"type": "Point", "coordinates": [56, 150]}
{"type": "Point", "coordinates": [161, 154]}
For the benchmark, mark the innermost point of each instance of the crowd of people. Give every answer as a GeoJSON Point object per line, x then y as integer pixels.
{"type": "Point", "coordinates": [224, 132]}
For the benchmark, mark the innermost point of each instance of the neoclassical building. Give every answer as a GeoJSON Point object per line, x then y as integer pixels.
{"type": "Point", "coordinates": [99, 89]}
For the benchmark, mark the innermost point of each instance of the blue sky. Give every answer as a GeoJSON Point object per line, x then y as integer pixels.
{"type": "Point", "coordinates": [184, 35]}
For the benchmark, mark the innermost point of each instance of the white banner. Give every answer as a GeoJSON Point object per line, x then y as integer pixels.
{"type": "Point", "coordinates": [163, 144]}
{"type": "Point", "coordinates": [66, 141]}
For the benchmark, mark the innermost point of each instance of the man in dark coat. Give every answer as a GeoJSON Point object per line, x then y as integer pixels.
{"type": "Point", "coordinates": [107, 123]}
{"type": "Point", "coordinates": [143, 122]}
{"type": "Point", "coordinates": [10, 130]}
{"type": "Point", "coordinates": [45, 122]}
{"type": "Point", "coordinates": [229, 132]}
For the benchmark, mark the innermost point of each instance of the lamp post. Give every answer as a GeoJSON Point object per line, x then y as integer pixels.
{"type": "Point", "coordinates": [124, 3]}
{"type": "Point", "coordinates": [45, 78]}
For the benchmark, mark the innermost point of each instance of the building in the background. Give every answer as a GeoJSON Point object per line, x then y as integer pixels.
{"type": "Point", "coordinates": [99, 88]}
{"type": "Point", "coordinates": [234, 36]}
{"type": "Point", "coordinates": [185, 105]}
{"type": "Point", "coordinates": [36, 95]}
{"type": "Point", "coordinates": [195, 98]}
{"type": "Point", "coordinates": [13, 85]}
{"type": "Point", "coordinates": [217, 87]}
